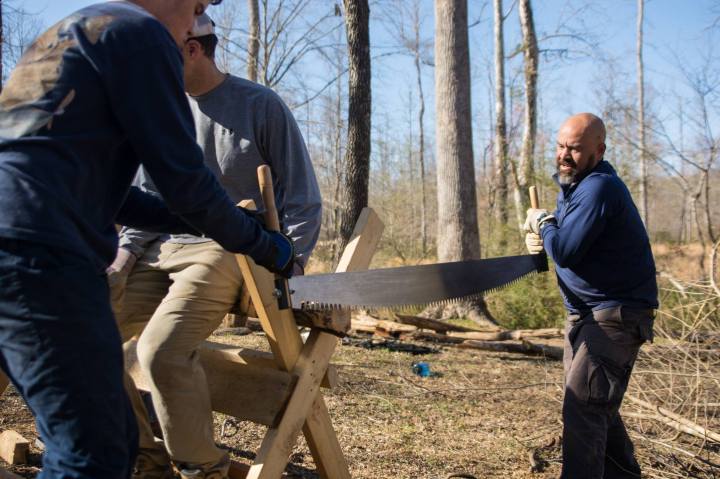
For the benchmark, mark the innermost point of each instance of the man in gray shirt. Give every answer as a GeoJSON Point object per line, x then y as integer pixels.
{"type": "Point", "coordinates": [182, 286]}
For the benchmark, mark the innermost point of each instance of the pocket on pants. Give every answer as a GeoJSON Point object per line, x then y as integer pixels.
{"type": "Point", "coordinates": [606, 382]}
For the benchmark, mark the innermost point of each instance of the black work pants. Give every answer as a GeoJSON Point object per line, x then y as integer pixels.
{"type": "Point", "coordinates": [600, 351]}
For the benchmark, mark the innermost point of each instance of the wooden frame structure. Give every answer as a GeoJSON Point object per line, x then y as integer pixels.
{"type": "Point", "coordinates": [281, 389]}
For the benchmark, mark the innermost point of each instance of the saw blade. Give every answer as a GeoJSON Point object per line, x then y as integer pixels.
{"type": "Point", "coordinates": [411, 285]}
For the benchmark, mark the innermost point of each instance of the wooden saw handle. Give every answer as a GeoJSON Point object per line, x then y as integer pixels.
{"type": "Point", "coordinates": [272, 221]}
{"type": "Point", "coordinates": [534, 202]}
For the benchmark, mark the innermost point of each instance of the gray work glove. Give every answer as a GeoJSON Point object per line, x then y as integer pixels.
{"type": "Point", "coordinates": [119, 270]}
{"type": "Point", "coordinates": [534, 243]}
{"type": "Point", "coordinates": [536, 219]}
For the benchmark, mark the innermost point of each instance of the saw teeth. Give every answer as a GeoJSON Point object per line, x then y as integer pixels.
{"type": "Point", "coordinates": [313, 306]}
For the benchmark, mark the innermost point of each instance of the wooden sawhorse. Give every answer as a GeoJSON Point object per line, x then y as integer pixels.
{"type": "Point", "coordinates": [281, 389]}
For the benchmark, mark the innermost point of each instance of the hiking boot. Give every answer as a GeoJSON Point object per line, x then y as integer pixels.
{"type": "Point", "coordinates": [205, 471]}
{"type": "Point", "coordinates": [151, 464]}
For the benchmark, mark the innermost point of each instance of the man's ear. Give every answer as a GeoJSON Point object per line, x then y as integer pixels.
{"type": "Point", "coordinates": [601, 149]}
{"type": "Point", "coordinates": [193, 49]}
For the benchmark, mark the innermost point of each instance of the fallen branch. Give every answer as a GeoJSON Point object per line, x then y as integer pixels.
{"type": "Point", "coordinates": [517, 335]}
{"type": "Point", "coordinates": [676, 421]}
{"type": "Point", "coordinates": [524, 347]}
{"type": "Point", "coordinates": [432, 324]}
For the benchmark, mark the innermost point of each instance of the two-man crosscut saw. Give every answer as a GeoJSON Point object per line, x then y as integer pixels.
{"type": "Point", "coordinates": [411, 285]}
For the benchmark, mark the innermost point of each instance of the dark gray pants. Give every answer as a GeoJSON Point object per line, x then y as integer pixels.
{"type": "Point", "coordinates": [600, 351]}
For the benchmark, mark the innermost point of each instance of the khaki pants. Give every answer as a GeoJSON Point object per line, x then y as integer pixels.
{"type": "Point", "coordinates": [176, 295]}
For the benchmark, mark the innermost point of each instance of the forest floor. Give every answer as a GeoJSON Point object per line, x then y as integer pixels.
{"type": "Point", "coordinates": [480, 413]}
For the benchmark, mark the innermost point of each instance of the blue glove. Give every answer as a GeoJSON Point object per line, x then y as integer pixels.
{"type": "Point", "coordinates": [281, 258]}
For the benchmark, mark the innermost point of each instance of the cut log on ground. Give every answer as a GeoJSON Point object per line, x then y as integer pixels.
{"type": "Point", "coordinates": [676, 421]}
{"type": "Point", "coordinates": [363, 323]}
{"type": "Point", "coordinates": [524, 347]}
{"type": "Point", "coordinates": [432, 324]}
{"type": "Point", "coordinates": [436, 337]}
{"type": "Point", "coordinates": [517, 335]}
{"type": "Point", "coordinates": [13, 447]}
{"type": "Point", "coordinates": [392, 329]}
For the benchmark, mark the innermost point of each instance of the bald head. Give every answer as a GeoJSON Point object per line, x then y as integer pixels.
{"type": "Point", "coordinates": [588, 124]}
{"type": "Point", "coordinates": [580, 146]}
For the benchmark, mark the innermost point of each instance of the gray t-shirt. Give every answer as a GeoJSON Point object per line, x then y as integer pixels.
{"type": "Point", "coordinates": [241, 125]}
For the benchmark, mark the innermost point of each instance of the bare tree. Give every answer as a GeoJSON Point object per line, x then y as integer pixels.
{"type": "Point", "coordinates": [253, 40]}
{"type": "Point", "coordinates": [526, 169]}
{"type": "Point", "coordinates": [288, 31]}
{"type": "Point", "coordinates": [19, 28]}
{"type": "Point", "coordinates": [499, 187]}
{"type": "Point", "coordinates": [357, 155]}
{"type": "Point", "coordinates": [458, 232]}
{"type": "Point", "coordinates": [417, 47]}
{"type": "Point", "coordinates": [641, 116]}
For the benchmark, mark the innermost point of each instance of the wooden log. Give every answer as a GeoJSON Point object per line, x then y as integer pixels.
{"type": "Point", "coordinates": [239, 381]}
{"type": "Point", "coordinates": [279, 441]}
{"type": "Point", "coordinates": [363, 323]}
{"type": "Point", "coordinates": [432, 324]}
{"type": "Point", "coordinates": [333, 322]}
{"type": "Point", "coordinates": [4, 382]}
{"type": "Point", "coordinates": [435, 337]}
{"type": "Point", "coordinates": [524, 347]}
{"type": "Point", "coordinates": [519, 334]}
{"type": "Point", "coordinates": [259, 359]}
{"type": "Point", "coordinates": [394, 328]}
{"type": "Point", "coordinates": [14, 448]}
{"type": "Point", "coordinates": [675, 420]}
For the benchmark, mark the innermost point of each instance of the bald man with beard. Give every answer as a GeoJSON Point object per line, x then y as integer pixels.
{"type": "Point", "coordinates": [606, 274]}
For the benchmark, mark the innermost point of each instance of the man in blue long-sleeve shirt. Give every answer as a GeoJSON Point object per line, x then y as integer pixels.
{"type": "Point", "coordinates": [95, 96]}
{"type": "Point", "coordinates": [606, 275]}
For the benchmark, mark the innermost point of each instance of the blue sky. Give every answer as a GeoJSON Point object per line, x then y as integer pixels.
{"type": "Point", "coordinates": [676, 32]}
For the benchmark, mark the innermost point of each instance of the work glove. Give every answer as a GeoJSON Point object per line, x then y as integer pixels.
{"type": "Point", "coordinates": [536, 219]}
{"type": "Point", "coordinates": [534, 243]}
{"type": "Point", "coordinates": [119, 270]}
{"type": "Point", "coordinates": [281, 258]}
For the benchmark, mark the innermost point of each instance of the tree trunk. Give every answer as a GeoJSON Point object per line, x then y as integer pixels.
{"type": "Point", "coordinates": [253, 40]}
{"type": "Point", "coordinates": [421, 146]}
{"type": "Point", "coordinates": [641, 116]}
{"type": "Point", "coordinates": [458, 234]}
{"type": "Point", "coordinates": [357, 156]}
{"type": "Point", "coordinates": [499, 193]}
{"type": "Point", "coordinates": [526, 170]}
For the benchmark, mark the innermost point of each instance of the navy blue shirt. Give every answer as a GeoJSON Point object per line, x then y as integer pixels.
{"type": "Point", "coordinates": [95, 96]}
{"type": "Point", "coordinates": [600, 247]}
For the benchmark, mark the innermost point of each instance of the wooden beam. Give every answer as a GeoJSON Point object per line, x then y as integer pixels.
{"type": "Point", "coordinates": [259, 359]}
{"type": "Point", "coordinates": [13, 447]}
{"type": "Point", "coordinates": [357, 256]}
{"type": "Point", "coordinates": [240, 384]}
{"type": "Point", "coordinates": [279, 441]}
{"type": "Point", "coordinates": [363, 243]}
{"type": "Point", "coordinates": [285, 342]}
